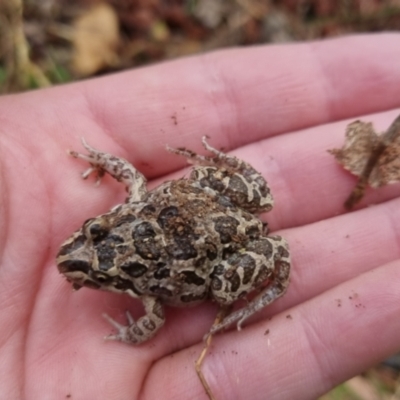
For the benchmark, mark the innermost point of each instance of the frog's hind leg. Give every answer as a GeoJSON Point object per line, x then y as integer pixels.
{"type": "Point", "coordinates": [117, 167]}
{"type": "Point", "coordinates": [266, 259]}
{"type": "Point", "coordinates": [233, 178]}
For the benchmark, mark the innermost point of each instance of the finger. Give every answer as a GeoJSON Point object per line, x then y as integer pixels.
{"type": "Point", "coordinates": [301, 353]}
{"type": "Point", "coordinates": [177, 102]}
{"type": "Point", "coordinates": [307, 183]}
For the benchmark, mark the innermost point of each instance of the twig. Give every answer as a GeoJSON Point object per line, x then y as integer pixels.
{"type": "Point", "coordinates": [223, 311]}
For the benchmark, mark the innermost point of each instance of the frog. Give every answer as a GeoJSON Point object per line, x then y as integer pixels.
{"type": "Point", "coordinates": [190, 240]}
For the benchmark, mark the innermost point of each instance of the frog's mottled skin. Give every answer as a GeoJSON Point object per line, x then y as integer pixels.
{"type": "Point", "coordinates": [184, 242]}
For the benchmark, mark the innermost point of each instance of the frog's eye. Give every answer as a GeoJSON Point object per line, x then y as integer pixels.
{"type": "Point", "coordinates": [71, 265]}
{"type": "Point", "coordinates": [100, 277]}
{"type": "Point", "coordinates": [96, 231]}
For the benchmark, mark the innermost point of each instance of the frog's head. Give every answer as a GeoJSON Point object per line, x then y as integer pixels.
{"type": "Point", "coordinates": [75, 260]}
{"type": "Point", "coordinates": [88, 258]}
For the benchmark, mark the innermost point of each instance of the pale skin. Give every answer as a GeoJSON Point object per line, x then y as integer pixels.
{"type": "Point", "coordinates": [344, 284]}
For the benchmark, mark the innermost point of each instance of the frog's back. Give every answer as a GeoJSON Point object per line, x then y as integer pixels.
{"type": "Point", "coordinates": [180, 234]}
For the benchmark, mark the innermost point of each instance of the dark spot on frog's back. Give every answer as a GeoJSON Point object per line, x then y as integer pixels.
{"type": "Point", "coordinates": [143, 231]}
{"type": "Point", "coordinates": [182, 248]}
{"type": "Point", "coordinates": [78, 242]}
{"type": "Point", "coordinates": [262, 186]}
{"type": "Point", "coordinates": [237, 190]}
{"type": "Point", "coordinates": [145, 243]}
{"type": "Point", "coordinates": [106, 260]}
{"type": "Point", "coordinates": [248, 265]}
{"type": "Point", "coordinates": [261, 246]}
{"type": "Point", "coordinates": [166, 215]}
{"type": "Point", "coordinates": [256, 198]}
{"type": "Point", "coordinates": [237, 185]}
{"type": "Point", "coordinates": [218, 270]}
{"type": "Point", "coordinates": [200, 262]}
{"type": "Point", "coordinates": [234, 279]}
{"type": "Point", "coordinates": [228, 252]}
{"type": "Point", "coordinates": [211, 181]}
{"type": "Point", "coordinates": [122, 249]}
{"type": "Point", "coordinates": [114, 240]}
{"type": "Point", "coordinates": [106, 253]}
{"type": "Point", "coordinates": [134, 269]}
{"type": "Point", "coordinates": [211, 250]}
{"type": "Point", "coordinates": [192, 278]}
{"type": "Point", "coordinates": [216, 283]}
{"type": "Point", "coordinates": [162, 272]}
{"type": "Point", "coordinates": [147, 211]}
{"type": "Point", "coordinates": [124, 285]}
{"type": "Point", "coordinates": [225, 201]}
{"type": "Point", "coordinates": [226, 227]}
{"type": "Point", "coordinates": [283, 252]}
{"type": "Point", "coordinates": [252, 231]}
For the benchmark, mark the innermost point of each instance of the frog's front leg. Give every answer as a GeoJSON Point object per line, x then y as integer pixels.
{"type": "Point", "coordinates": [265, 260]}
{"type": "Point", "coordinates": [117, 167]}
{"type": "Point", "coordinates": [144, 328]}
{"type": "Point", "coordinates": [231, 177]}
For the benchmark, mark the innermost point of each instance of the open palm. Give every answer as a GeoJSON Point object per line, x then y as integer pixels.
{"type": "Point", "coordinates": [280, 108]}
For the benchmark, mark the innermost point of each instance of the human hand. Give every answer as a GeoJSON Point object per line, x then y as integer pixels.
{"type": "Point", "coordinates": [281, 108]}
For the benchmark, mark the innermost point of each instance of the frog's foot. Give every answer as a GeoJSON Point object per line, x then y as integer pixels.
{"type": "Point", "coordinates": [194, 158]}
{"type": "Point", "coordinates": [133, 333]}
{"type": "Point", "coordinates": [93, 158]}
{"type": "Point", "coordinates": [144, 328]}
{"type": "Point", "coordinates": [123, 334]}
{"type": "Point", "coordinates": [117, 167]}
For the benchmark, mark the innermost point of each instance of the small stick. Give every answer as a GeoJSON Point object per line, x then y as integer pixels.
{"type": "Point", "coordinates": [223, 311]}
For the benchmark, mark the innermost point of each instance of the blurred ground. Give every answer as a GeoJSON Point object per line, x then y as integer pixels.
{"type": "Point", "coordinates": [44, 42]}
{"type": "Point", "coordinates": [47, 42]}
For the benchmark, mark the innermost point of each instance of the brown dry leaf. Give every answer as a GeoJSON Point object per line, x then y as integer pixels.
{"type": "Point", "coordinates": [95, 40]}
{"type": "Point", "coordinates": [159, 31]}
{"type": "Point", "coordinates": [374, 159]}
